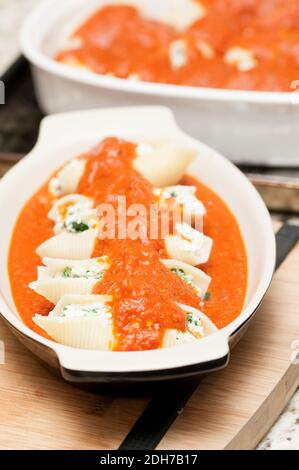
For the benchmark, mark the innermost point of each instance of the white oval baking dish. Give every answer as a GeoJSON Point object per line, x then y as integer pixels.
{"type": "Point", "coordinates": [66, 135]}
{"type": "Point", "coordinates": [248, 127]}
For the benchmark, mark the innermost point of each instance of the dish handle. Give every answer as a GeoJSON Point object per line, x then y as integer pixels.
{"type": "Point", "coordinates": [72, 126]}
{"type": "Point", "coordinates": [184, 361]}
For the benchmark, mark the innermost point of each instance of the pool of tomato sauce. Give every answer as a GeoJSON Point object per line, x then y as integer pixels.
{"type": "Point", "coordinates": [145, 293]}
{"type": "Point", "coordinates": [118, 40]}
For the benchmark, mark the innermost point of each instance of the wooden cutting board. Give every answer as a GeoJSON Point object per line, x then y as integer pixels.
{"type": "Point", "coordinates": [231, 409]}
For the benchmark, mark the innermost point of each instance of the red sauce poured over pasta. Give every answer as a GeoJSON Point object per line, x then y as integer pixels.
{"type": "Point", "coordinates": [145, 292]}
{"type": "Point", "coordinates": [118, 40]}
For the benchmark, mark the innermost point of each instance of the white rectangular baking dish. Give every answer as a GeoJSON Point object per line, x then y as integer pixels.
{"type": "Point", "coordinates": [248, 127]}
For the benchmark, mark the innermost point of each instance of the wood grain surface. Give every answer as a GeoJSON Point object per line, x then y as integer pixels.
{"type": "Point", "coordinates": [234, 408]}
{"type": "Point", "coordinates": [40, 411]}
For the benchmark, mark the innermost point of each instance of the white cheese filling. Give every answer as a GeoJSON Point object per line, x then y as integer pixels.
{"type": "Point", "coordinates": [78, 219]}
{"type": "Point", "coordinates": [195, 325]}
{"type": "Point", "coordinates": [205, 49]}
{"type": "Point", "coordinates": [73, 214]}
{"type": "Point", "coordinates": [88, 310]}
{"type": "Point", "coordinates": [95, 270]}
{"type": "Point", "coordinates": [188, 278]}
{"type": "Point", "coordinates": [188, 245]}
{"type": "Point", "coordinates": [178, 54]}
{"type": "Point", "coordinates": [191, 240]}
{"type": "Point", "coordinates": [185, 196]}
{"type": "Point", "coordinates": [242, 58]}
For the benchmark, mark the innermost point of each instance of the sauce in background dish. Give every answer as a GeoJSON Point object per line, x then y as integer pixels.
{"type": "Point", "coordinates": [237, 44]}
{"type": "Point", "coordinates": [144, 291]}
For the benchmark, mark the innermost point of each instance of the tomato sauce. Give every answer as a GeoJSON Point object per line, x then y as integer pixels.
{"type": "Point", "coordinates": [117, 40]}
{"type": "Point", "coordinates": [145, 292]}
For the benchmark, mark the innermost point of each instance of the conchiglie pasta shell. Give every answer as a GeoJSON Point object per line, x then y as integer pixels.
{"type": "Point", "coordinates": [180, 249]}
{"type": "Point", "coordinates": [54, 266]}
{"type": "Point", "coordinates": [165, 164]}
{"type": "Point", "coordinates": [200, 279]}
{"type": "Point", "coordinates": [87, 217]}
{"type": "Point", "coordinates": [69, 245]}
{"type": "Point", "coordinates": [54, 289]}
{"type": "Point", "coordinates": [84, 333]}
{"type": "Point", "coordinates": [177, 338]}
{"type": "Point", "coordinates": [186, 197]}
{"type": "Point", "coordinates": [42, 273]}
{"type": "Point", "coordinates": [70, 175]}
{"type": "Point", "coordinates": [79, 300]}
{"type": "Point", "coordinates": [54, 213]}
{"type": "Point", "coordinates": [208, 326]}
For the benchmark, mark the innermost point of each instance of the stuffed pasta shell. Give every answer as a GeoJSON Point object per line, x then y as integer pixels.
{"type": "Point", "coordinates": [67, 245]}
{"type": "Point", "coordinates": [60, 277]}
{"type": "Point", "coordinates": [188, 245]}
{"type": "Point", "coordinates": [194, 277]}
{"type": "Point", "coordinates": [185, 196]}
{"type": "Point", "coordinates": [73, 213]}
{"type": "Point", "coordinates": [80, 321]}
{"type": "Point", "coordinates": [163, 163]}
{"type": "Point", "coordinates": [198, 326]}
{"type": "Point", "coordinates": [67, 179]}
